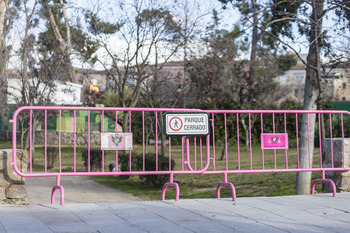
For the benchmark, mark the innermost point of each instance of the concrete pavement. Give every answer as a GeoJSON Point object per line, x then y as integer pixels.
{"type": "Point", "coordinates": [309, 213]}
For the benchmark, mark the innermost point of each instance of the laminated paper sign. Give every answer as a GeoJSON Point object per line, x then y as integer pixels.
{"type": "Point", "coordinates": [116, 141]}
{"type": "Point", "coordinates": [274, 141]}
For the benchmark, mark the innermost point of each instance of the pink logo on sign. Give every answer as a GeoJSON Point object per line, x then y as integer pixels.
{"type": "Point", "coordinates": [274, 141]}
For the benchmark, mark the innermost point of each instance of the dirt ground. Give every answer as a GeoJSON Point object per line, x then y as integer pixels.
{"type": "Point", "coordinates": [78, 189]}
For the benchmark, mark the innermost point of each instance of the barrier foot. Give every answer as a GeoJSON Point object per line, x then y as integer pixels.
{"type": "Point", "coordinates": [177, 190]}
{"type": "Point", "coordinates": [60, 187]}
{"type": "Point", "coordinates": [61, 194]}
{"type": "Point", "coordinates": [323, 181]}
{"type": "Point", "coordinates": [226, 184]}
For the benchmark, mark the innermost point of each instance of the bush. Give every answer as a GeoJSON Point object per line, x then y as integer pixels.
{"type": "Point", "coordinates": [123, 161]}
{"type": "Point", "coordinates": [150, 165]}
{"type": "Point", "coordinates": [95, 158]}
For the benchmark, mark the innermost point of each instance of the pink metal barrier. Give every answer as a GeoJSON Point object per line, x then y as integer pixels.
{"type": "Point", "coordinates": [276, 131]}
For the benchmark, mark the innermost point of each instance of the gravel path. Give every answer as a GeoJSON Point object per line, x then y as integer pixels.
{"type": "Point", "coordinates": [77, 189]}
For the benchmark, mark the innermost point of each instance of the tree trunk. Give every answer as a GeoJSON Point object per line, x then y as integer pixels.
{"type": "Point", "coordinates": [246, 132]}
{"type": "Point", "coordinates": [125, 125]}
{"type": "Point", "coordinates": [3, 8]}
{"type": "Point", "coordinates": [65, 46]}
{"type": "Point", "coordinates": [311, 98]}
{"type": "Point", "coordinates": [255, 38]}
{"type": "Point", "coordinates": [162, 134]}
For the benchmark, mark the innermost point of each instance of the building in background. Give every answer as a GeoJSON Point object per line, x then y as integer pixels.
{"type": "Point", "coordinates": [335, 82]}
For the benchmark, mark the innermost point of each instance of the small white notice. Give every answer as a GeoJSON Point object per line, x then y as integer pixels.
{"type": "Point", "coordinates": [116, 141]}
{"type": "Point", "coordinates": [187, 124]}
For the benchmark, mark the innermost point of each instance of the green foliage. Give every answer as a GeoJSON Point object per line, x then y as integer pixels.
{"type": "Point", "coordinates": [97, 26]}
{"type": "Point", "coordinates": [150, 165]}
{"type": "Point", "coordinates": [286, 61]}
{"type": "Point", "coordinates": [95, 158]}
{"type": "Point", "coordinates": [280, 10]}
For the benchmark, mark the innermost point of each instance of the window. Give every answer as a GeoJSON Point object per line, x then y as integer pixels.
{"type": "Point", "coordinates": [344, 85]}
{"type": "Point", "coordinates": [284, 77]}
{"type": "Point", "coordinates": [299, 76]}
{"type": "Point", "coordinates": [170, 76]}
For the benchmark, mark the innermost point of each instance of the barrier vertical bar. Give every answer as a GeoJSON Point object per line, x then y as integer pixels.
{"type": "Point", "coordinates": [75, 141]}
{"type": "Point", "coordinates": [195, 152]}
{"type": "Point", "coordinates": [182, 153]}
{"type": "Point", "coordinates": [188, 153]}
{"type": "Point", "coordinates": [297, 135]}
{"type": "Point", "coordinates": [156, 140]}
{"type": "Point", "coordinates": [116, 131]}
{"type": "Point", "coordinates": [129, 132]}
{"type": "Point", "coordinates": [143, 141]}
{"type": "Point", "coordinates": [169, 153]}
{"type": "Point", "coordinates": [59, 141]}
{"type": "Point", "coordinates": [262, 131]}
{"type": "Point", "coordinates": [45, 140]}
{"type": "Point", "coordinates": [89, 141]}
{"type": "Point", "coordinates": [331, 134]}
{"type": "Point", "coordinates": [30, 140]}
{"type": "Point", "coordinates": [342, 133]}
{"type": "Point", "coordinates": [201, 151]}
{"type": "Point", "coordinates": [250, 142]}
{"type": "Point", "coordinates": [103, 130]}
{"type": "Point", "coordinates": [274, 131]}
{"type": "Point", "coordinates": [212, 124]}
{"type": "Point", "coordinates": [320, 137]}
{"type": "Point", "coordinates": [226, 155]}
{"type": "Point", "coordinates": [308, 138]}
{"type": "Point", "coordinates": [285, 131]}
{"type": "Point", "coordinates": [238, 149]}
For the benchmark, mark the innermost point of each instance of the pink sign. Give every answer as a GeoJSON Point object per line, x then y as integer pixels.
{"type": "Point", "coordinates": [274, 141]}
{"type": "Point", "coordinates": [116, 141]}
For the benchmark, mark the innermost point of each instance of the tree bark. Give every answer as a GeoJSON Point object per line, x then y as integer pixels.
{"type": "Point", "coordinates": [311, 98]}
{"type": "Point", "coordinates": [65, 46]}
{"type": "Point", "coordinates": [255, 38]}
{"type": "Point", "coordinates": [3, 8]}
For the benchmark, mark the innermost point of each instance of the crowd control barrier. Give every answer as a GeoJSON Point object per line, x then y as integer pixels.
{"type": "Point", "coordinates": [282, 147]}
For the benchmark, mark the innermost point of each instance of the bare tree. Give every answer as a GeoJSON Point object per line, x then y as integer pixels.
{"type": "Point", "coordinates": [65, 44]}
{"type": "Point", "coordinates": [144, 30]}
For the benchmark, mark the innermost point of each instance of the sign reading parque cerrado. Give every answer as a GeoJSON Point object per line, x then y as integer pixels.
{"type": "Point", "coordinates": [186, 123]}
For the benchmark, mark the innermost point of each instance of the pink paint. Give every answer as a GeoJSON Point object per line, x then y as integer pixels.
{"type": "Point", "coordinates": [116, 141]}
{"type": "Point", "coordinates": [274, 141]}
{"type": "Point", "coordinates": [228, 121]}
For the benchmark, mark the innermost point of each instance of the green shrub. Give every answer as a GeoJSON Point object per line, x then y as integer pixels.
{"type": "Point", "coordinates": [123, 161]}
{"type": "Point", "coordinates": [150, 165]}
{"type": "Point", "coordinates": [95, 158]}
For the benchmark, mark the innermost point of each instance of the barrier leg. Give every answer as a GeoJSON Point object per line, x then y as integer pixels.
{"type": "Point", "coordinates": [60, 187]}
{"type": "Point", "coordinates": [173, 184]}
{"type": "Point", "coordinates": [225, 183]}
{"type": "Point", "coordinates": [323, 181]}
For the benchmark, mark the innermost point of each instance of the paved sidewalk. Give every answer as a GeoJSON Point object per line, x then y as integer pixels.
{"type": "Point", "coordinates": [309, 213]}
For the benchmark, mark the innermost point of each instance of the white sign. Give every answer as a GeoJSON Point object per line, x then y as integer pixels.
{"type": "Point", "coordinates": [187, 124]}
{"type": "Point", "coordinates": [116, 141]}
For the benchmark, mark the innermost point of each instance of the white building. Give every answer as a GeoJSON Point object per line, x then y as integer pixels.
{"type": "Point", "coordinates": [60, 93]}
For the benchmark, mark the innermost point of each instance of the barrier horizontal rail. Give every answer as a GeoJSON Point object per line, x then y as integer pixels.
{"type": "Point", "coordinates": [198, 154]}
